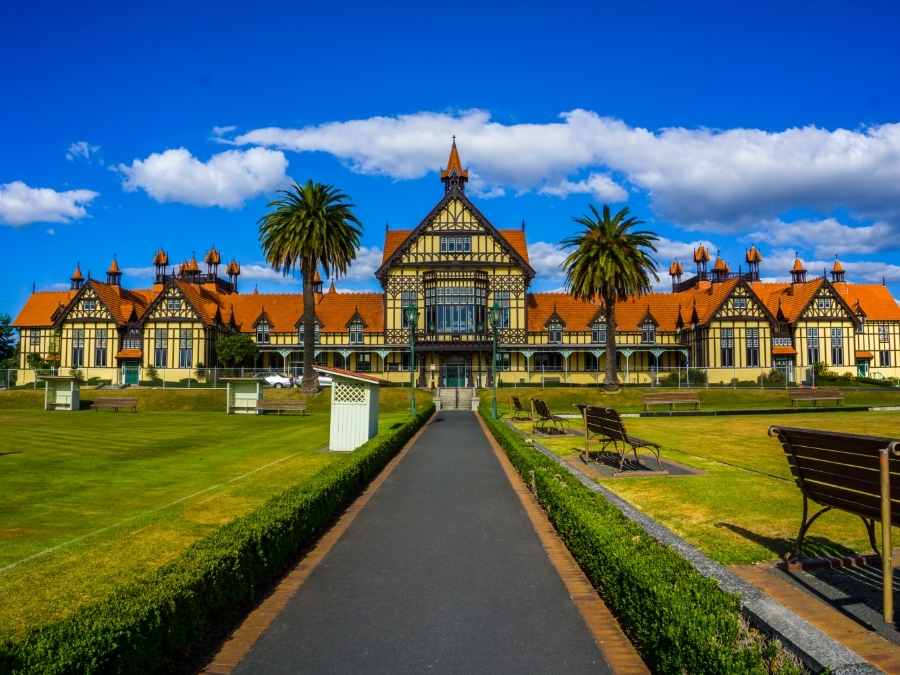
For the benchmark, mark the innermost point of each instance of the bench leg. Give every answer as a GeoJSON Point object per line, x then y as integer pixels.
{"type": "Point", "coordinates": [804, 527]}
{"type": "Point", "coordinates": [870, 530]}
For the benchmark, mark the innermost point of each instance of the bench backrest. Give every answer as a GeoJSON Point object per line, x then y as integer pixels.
{"type": "Point", "coordinates": [281, 404]}
{"type": "Point", "coordinates": [115, 401]}
{"type": "Point", "coordinates": [841, 470]}
{"type": "Point", "coordinates": [541, 409]}
{"type": "Point", "coordinates": [671, 396]}
{"type": "Point", "coordinates": [816, 393]}
{"type": "Point", "coordinates": [517, 404]}
{"type": "Point", "coordinates": [604, 422]}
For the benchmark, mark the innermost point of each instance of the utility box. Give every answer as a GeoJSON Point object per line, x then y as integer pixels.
{"type": "Point", "coordinates": [61, 392]}
{"type": "Point", "coordinates": [354, 408]}
{"type": "Point", "coordinates": [241, 395]}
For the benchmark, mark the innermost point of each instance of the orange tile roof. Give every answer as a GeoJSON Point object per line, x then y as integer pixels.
{"type": "Point", "coordinates": [454, 165]}
{"type": "Point", "coordinates": [790, 299]}
{"type": "Point", "coordinates": [282, 309]}
{"type": "Point", "coordinates": [40, 307]}
{"type": "Point", "coordinates": [335, 310]}
{"type": "Point", "coordinates": [876, 300]}
{"type": "Point", "coordinates": [782, 350]}
{"type": "Point", "coordinates": [392, 241]}
{"type": "Point", "coordinates": [864, 355]}
{"type": "Point", "coordinates": [129, 354]}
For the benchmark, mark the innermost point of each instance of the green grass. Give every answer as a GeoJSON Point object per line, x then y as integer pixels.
{"type": "Point", "coordinates": [91, 500]}
{"type": "Point", "coordinates": [628, 399]}
{"type": "Point", "coordinates": [744, 508]}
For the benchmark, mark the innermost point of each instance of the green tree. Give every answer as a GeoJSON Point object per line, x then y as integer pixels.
{"type": "Point", "coordinates": [236, 350]}
{"type": "Point", "coordinates": [7, 342]}
{"type": "Point", "coordinates": [310, 226]}
{"type": "Point", "coordinates": [610, 262]}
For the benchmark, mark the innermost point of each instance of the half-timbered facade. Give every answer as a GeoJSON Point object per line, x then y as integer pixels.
{"type": "Point", "coordinates": [457, 270]}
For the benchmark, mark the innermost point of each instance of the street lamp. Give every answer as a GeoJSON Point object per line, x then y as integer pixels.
{"type": "Point", "coordinates": [495, 312]}
{"type": "Point", "coordinates": [411, 315]}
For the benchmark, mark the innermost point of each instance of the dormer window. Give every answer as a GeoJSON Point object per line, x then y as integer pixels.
{"type": "Point", "coordinates": [648, 332]}
{"type": "Point", "coordinates": [456, 243]}
{"type": "Point", "coordinates": [262, 332]}
{"type": "Point", "coordinates": [740, 303]}
{"type": "Point", "coordinates": [90, 305]}
{"type": "Point", "coordinates": [598, 332]}
{"type": "Point", "coordinates": [173, 304]}
{"type": "Point", "coordinates": [315, 332]}
{"type": "Point", "coordinates": [823, 303]}
{"type": "Point", "coordinates": [356, 332]}
{"type": "Point", "coordinates": [555, 332]}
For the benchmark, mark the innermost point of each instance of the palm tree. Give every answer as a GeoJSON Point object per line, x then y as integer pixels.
{"type": "Point", "coordinates": [610, 262]}
{"type": "Point", "coordinates": [310, 225]}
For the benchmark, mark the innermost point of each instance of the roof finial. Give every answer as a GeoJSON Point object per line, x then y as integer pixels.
{"type": "Point", "coordinates": [454, 177]}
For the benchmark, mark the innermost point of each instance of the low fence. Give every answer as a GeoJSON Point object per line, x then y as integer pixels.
{"type": "Point", "coordinates": [457, 376]}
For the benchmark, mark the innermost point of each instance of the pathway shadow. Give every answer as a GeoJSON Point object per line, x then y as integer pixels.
{"type": "Point", "coordinates": [813, 546]}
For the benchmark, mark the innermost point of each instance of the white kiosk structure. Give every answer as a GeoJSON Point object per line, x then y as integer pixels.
{"type": "Point", "coordinates": [241, 395]}
{"type": "Point", "coordinates": [354, 408]}
{"type": "Point", "coordinates": [61, 392]}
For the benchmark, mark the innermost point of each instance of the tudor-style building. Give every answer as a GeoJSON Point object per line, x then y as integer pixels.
{"type": "Point", "coordinates": [454, 266]}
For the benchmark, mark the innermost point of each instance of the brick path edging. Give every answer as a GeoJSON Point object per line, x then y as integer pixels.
{"type": "Point", "coordinates": [818, 651]}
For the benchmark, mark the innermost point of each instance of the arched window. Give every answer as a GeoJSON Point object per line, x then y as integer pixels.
{"type": "Point", "coordinates": [356, 332]}
{"type": "Point", "coordinates": [555, 332]}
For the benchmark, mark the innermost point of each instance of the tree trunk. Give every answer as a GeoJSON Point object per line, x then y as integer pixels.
{"type": "Point", "coordinates": [612, 379]}
{"type": "Point", "coordinates": [310, 383]}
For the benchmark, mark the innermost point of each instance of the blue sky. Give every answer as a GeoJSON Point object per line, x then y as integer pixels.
{"type": "Point", "coordinates": [125, 129]}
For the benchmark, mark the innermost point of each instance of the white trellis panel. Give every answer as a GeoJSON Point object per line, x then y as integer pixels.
{"type": "Point", "coordinates": [354, 409]}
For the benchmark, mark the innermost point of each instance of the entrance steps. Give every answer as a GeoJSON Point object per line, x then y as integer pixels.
{"type": "Point", "coordinates": [456, 398]}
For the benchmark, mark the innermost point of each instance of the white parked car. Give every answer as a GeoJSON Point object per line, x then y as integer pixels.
{"type": "Point", "coordinates": [278, 381]}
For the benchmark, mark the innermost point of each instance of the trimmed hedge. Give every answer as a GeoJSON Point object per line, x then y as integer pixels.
{"type": "Point", "coordinates": [679, 620]}
{"type": "Point", "coordinates": [150, 625]}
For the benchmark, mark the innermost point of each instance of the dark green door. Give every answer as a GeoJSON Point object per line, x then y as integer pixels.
{"type": "Point", "coordinates": [130, 373]}
{"type": "Point", "coordinates": [454, 375]}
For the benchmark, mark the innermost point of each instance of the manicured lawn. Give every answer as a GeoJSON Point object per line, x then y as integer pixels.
{"type": "Point", "coordinates": [90, 500]}
{"type": "Point", "coordinates": [745, 507]}
{"type": "Point", "coordinates": [563, 399]}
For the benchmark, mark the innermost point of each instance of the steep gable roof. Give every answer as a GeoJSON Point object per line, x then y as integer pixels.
{"type": "Point", "coordinates": [40, 308]}
{"type": "Point", "coordinates": [875, 300]}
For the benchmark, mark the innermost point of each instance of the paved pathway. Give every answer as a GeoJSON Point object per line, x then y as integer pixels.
{"type": "Point", "coordinates": [441, 572]}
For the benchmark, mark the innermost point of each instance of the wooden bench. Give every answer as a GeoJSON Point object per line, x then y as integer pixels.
{"type": "Point", "coordinates": [815, 394]}
{"type": "Point", "coordinates": [115, 404]}
{"type": "Point", "coordinates": [852, 473]}
{"type": "Point", "coordinates": [671, 399]}
{"type": "Point", "coordinates": [519, 409]}
{"type": "Point", "coordinates": [543, 418]}
{"type": "Point", "coordinates": [606, 425]}
{"type": "Point", "coordinates": [281, 406]}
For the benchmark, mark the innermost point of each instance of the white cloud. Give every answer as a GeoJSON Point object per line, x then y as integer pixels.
{"type": "Point", "coordinates": [82, 150]}
{"type": "Point", "coordinates": [599, 185]}
{"type": "Point", "coordinates": [221, 131]}
{"type": "Point", "coordinates": [699, 178]}
{"type": "Point", "coordinates": [51, 231]}
{"type": "Point", "coordinates": [262, 272]}
{"type": "Point", "coordinates": [777, 265]}
{"type": "Point", "coordinates": [139, 272]}
{"type": "Point", "coordinates": [227, 179]}
{"type": "Point", "coordinates": [21, 204]}
{"type": "Point", "coordinates": [367, 262]}
{"type": "Point", "coordinates": [546, 258]}
{"type": "Point", "coordinates": [828, 236]}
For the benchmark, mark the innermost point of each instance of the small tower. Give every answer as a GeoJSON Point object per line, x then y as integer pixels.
{"type": "Point", "coordinates": [753, 258]}
{"type": "Point", "coordinates": [720, 269]}
{"type": "Point", "coordinates": [213, 259]}
{"type": "Point", "coordinates": [114, 274]}
{"type": "Point", "coordinates": [675, 271]}
{"type": "Point", "coordinates": [798, 271]}
{"type": "Point", "coordinates": [837, 271]}
{"type": "Point", "coordinates": [77, 278]}
{"type": "Point", "coordinates": [701, 257]}
{"type": "Point", "coordinates": [160, 262]}
{"type": "Point", "coordinates": [190, 270]}
{"type": "Point", "coordinates": [454, 177]}
{"type": "Point", "coordinates": [234, 271]}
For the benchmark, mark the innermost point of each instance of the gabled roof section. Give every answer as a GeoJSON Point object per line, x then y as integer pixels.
{"type": "Point", "coordinates": [398, 248]}
{"type": "Point", "coordinates": [122, 304]}
{"type": "Point", "coordinates": [875, 300]}
{"type": "Point", "coordinates": [40, 308]}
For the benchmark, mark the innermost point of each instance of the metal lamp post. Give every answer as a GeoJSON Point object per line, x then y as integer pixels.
{"type": "Point", "coordinates": [495, 325]}
{"type": "Point", "coordinates": [411, 314]}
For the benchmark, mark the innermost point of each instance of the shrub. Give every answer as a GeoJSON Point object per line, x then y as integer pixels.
{"type": "Point", "coordinates": [147, 625]}
{"type": "Point", "coordinates": [679, 620]}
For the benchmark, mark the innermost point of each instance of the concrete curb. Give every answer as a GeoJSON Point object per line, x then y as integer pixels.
{"type": "Point", "coordinates": [818, 651]}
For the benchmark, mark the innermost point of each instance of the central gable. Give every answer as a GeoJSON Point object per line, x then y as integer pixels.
{"type": "Point", "coordinates": [742, 303]}
{"type": "Point", "coordinates": [454, 233]}
{"type": "Point", "coordinates": [827, 304]}
{"type": "Point", "coordinates": [89, 306]}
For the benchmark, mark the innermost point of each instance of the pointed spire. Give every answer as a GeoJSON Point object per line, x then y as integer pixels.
{"type": "Point", "coordinates": [114, 274]}
{"type": "Point", "coordinates": [77, 278]}
{"type": "Point", "coordinates": [454, 177]}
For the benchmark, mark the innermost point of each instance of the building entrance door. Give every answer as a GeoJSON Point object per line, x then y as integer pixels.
{"type": "Point", "coordinates": [454, 373]}
{"type": "Point", "coordinates": [862, 368]}
{"type": "Point", "coordinates": [130, 373]}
